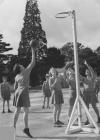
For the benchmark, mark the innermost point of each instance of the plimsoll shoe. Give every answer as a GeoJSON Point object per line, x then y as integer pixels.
{"type": "Point", "coordinates": [43, 107]}
{"type": "Point", "coordinates": [56, 124]}
{"type": "Point", "coordinates": [86, 123]}
{"type": "Point", "coordinates": [9, 111]}
{"type": "Point", "coordinates": [60, 123]}
{"type": "Point", "coordinates": [3, 111]}
{"type": "Point", "coordinates": [26, 131]}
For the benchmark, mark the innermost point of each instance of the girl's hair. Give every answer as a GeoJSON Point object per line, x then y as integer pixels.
{"type": "Point", "coordinates": [47, 75]}
{"type": "Point", "coordinates": [16, 69]}
{"type": "Point", "coordinates": [4, 77]}
{"type": "Point", "coordinates": [87, 70]}
{"type": "Point", "coordinates": [51, 71]}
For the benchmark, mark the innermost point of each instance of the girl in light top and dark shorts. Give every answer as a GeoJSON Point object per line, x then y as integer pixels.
{"type": "Point", "coordinates": [5, 93]}
{"type": "Point", "coordinates": [89, 94]}
{"type": "Point", "coordinates": [46, 92]}
{"type": "Point", "coordinates": [70, 77]}
{"type": "Point", "coordinates": [56, 82]}
{"type": "Point", "coordinates": [21, 97]}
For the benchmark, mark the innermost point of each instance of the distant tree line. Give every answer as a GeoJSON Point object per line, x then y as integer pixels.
{"type": "Point", "coordinates": [54, 57]}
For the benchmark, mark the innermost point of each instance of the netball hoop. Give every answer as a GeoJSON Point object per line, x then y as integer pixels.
{"type": "Point", "coordinates": [63, 14]}
{"type": "Point", "coordinates": [79, 101]}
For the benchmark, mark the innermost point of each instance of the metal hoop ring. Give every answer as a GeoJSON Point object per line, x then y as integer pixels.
{"type": "Point", "coordinates": [63, 14]}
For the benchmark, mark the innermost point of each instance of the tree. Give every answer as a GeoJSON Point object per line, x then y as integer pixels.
{"type": "Point", "coordinates": [98, 50]}
{"type": "Point", "coordinates": [3, 49]}
{"type": "Point", "coordinates": [55, 58]}
{"type": "Point", "coordinates": [84, 53]}
{"type": "Point", "coordinates": [68, 50]}
{"type": "Point", "coordinates": [32, 29]}
{"type": "Point", "coordinates": [3, 58]}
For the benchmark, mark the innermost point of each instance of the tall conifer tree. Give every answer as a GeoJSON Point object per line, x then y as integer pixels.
{"type": "Point", "coordinates": [32, 29]}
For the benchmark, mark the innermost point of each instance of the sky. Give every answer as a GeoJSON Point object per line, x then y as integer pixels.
{"type": "Point", "coordinates": [58, 31]}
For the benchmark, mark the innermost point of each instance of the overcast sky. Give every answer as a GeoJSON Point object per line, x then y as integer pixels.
{"type": "Point", "coordinates": [58, 31]}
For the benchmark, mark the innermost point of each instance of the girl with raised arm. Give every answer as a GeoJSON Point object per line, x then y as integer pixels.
{"type": "Point", "coordinates": [70, 77]}
{"type": "Point", "coordinates": [89, 94]}
{"type": "Point", "coordinates": [21, 97]}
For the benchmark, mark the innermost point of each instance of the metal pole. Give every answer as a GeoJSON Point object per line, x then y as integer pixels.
{"type": "Point", "coordinates": [76, 64]}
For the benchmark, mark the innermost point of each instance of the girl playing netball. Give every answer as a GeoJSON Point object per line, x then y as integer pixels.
{"type": "Point", "coordinates": [21, 98]}
{"type": "Point", "coordinates": [89, 93]}
{"type": "Point", "coordinates": [46, 92]}
{"type": "Point", "coordinates": [56, 83]}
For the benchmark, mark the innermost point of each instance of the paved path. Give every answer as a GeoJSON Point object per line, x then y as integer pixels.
{"type": "Point", "coordinates": [41, 122]}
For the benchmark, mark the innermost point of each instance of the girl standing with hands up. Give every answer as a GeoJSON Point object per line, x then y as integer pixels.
{"type": "Point", "coordinates": [56, 83]}
{"type": "Point", "coordinates": [89, 93]}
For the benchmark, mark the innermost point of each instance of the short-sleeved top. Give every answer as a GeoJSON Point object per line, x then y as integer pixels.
{"type": "Point", "coordinates": [89, 84]}
{"type": "Point", "coordinates": [23, 80]}
{"type": "Point", "coordinates": [5, 89]}
{"type": "Point", "coordinates": [46, 87]}
{"type": "Point", "coordinates": [58, 84]}
{"type": "Point", "coordinates": [72, 84]}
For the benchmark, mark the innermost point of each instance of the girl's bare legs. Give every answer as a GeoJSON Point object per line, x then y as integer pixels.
{"type": "Point", "coordinates": [44, 102]}
{"type": "Point", "coordinates": [58, 114]}
{"type": "Point", "coordinates": [59, 111]}
{"type": "Point", "coordinates": [48, 102]}
{"type": "Point", "coordinates": [16, 115]}
{"type": "Point", "coordinates": [71, 104]}
{"type": "Point", "coordinates": [25, 116]}
{"type": "Point", "coordinates": [70, 111]}
{"type": "Point", "coordinates": [3, 106]}
{"type": "Point", "coordinates": [87, 120]}
{"type": "Point", "coordinates": [9, 111]}
{"type": "Point", "coordinates": [96, 111]}
{"type": "Point", "coordinates": [55, 113]}
{"type": "Point", "coordinates": [8, 104]}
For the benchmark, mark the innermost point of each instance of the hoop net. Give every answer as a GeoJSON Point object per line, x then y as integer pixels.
{"type": "Point", "coordinates": [63, 14]}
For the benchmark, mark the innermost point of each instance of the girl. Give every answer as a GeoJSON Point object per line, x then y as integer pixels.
{"type": "Point", "coordinates": [21, 98]}
{"type": "Point", "coordinates": [55, 83]}
{"type": "Point", "coordinates": [89, 93]}
{"type": "Point", "coordinates": [70, 77]}
{"type": "Point", "coordinates": [46, 91]}
{"type": "Point", "coordinates": [5, 93]}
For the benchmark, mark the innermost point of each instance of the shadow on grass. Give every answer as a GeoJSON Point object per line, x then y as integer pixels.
{"type": "Point", "coordinates": [76, 136]}
{"type": "Point", "coordinates": [49, 138]}
{"type": "Point", "coordinates": [68, 138]}
{"type": "Point", "coordinates": [54, 138]}
{"type": "Point", "coordinates": [35, 91]}
{"type": "Point", "coordinates": [42, 112]}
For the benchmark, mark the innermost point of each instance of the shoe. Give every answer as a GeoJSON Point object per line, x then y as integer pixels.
{"type": "Point", "coordinates": [86, 123]}
{"type": "Point", "coordinates": [55, 124]}
{"type": "Point", "coordinates": [9, 111]}
{"type": "Point", "coordinates": [3, 111]}
{"type": "Point", "coordinates": [98, 120]}
{"type": "Point", "coordinates": [59, 122]}
{"type": "Point", "coordinates": [26, 131]}
{"type": "Point", "coordinates": [43, 107]}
